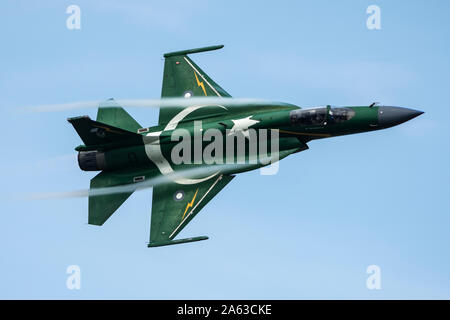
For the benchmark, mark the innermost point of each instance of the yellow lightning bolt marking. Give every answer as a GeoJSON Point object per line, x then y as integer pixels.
{"type": "Point", "coordinates": [200, 83]}
{"type": "Point", "coordinates": [190, 204]}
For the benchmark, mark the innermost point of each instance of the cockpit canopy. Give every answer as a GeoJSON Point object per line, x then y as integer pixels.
{"type": "Point", "coordinates": [307, 117]}
{"type": "Point", "coordinates": [338, 115]}
{"type": "Point", "coordinates": [320, 116]}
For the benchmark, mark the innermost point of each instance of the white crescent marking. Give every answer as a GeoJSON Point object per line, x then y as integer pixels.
{"type": "Point", "coordinates": [153, 147]}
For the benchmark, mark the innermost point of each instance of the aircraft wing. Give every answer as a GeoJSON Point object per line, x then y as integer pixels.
{"type": "Point", "coordinates": [183, 78]}
{"type": "Point", "coordinates": [175, 205]}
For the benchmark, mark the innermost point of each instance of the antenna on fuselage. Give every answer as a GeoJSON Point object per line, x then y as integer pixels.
{"type": "Point", "coordinates": [373, 104]}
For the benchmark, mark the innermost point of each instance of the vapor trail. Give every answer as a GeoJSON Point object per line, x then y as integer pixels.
{"type": "Point", "coordinates": [148, 183]}
{"type": "Point", "coordinates": [149, 103]}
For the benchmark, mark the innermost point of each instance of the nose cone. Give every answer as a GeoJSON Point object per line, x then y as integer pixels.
{"type": "Point", "coordinates": [392, 116]}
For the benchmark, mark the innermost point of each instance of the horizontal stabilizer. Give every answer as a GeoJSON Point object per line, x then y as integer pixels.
{"type": "Point", "coordinates": [170, 242]}
{"type": "Point", "coordinates": [102, 206]}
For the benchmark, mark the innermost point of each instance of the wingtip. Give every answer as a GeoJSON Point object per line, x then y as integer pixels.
{"type": "Point", "coordinates": [195, 50]}
{"type": "Point", "coordinates": [178, 241]}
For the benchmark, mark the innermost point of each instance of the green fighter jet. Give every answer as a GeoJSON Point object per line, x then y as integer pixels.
{"type": "Point", "coordinates": [199, 145]}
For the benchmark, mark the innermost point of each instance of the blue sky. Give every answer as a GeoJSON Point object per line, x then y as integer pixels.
{"type": "Point", "coordinates": [308, 232]}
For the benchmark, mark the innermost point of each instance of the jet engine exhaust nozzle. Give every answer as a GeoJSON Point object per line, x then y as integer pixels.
{"type": "Point", "coordinates": [91, 160]}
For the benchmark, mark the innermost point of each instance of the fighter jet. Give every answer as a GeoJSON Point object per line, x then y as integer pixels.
{"type": "Point", "coordinates": [218, 139]}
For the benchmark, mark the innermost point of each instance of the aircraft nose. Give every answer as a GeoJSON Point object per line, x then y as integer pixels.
{"type": "Point", "coordinates": [392, 116]}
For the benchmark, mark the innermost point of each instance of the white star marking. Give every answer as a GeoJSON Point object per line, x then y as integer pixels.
{"type": "Point", "coordinates": [242, 125]}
